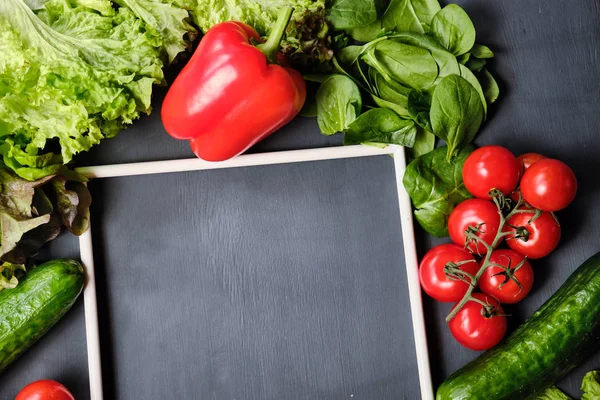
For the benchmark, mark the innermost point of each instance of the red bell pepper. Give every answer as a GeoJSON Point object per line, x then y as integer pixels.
{"type": "Point", "coordinates": [231, 94]}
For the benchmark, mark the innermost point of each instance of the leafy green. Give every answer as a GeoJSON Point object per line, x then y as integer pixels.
{"type": "Point", "coordinates": [346, 14]}
{"type": "Point", "coordinates": [410, 65]}
{"type": "Point", "coordinates": [307, 42]}
{"type": "Point", "coordinates": [30, 212]}
{"type": "Point", "coordinates": [424, 143]}
{"type": "Point", "coordinates": [338, 104]}
{"type": "Point", "coordinates": [381, 125]}
{"type": "Point", "coordinates": [489, 86]}
{"type": "Point", "coordinates": [476, 64]}
{"type": "Point", "coordinates": [435, 187]}
{"type": "Point", "coordinates": [456, 113]}
{"type": "Point", "coordinates": [481, 51]}
{"type": "Point", "coordinates": [71, 76]}
{"type": "Point", "coordinates": [551, 393]}
{"type": "Point", "coordinates": [8, 275]}
{"type": "Point", "coordinates": [419, 103]}
{"type": "Point", "coordinates": [410, 15]}
{"type": "Point", "coordinates": [366, 33]}
{"type": "Point", "coordinates": [472, 79]}
{"type": "Point", "coordinates": [168, 20]}
{"type": "Point", "coordinates": [591, 386]}
{"type": "Point", "coordinates": [453, 28]}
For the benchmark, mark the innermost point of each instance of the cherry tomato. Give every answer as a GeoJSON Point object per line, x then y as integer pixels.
{"type": "Point", "coordinates": [435, 282]}
{"type": "Point", "coordinates": [479, 328]}
{"type": "Point", "coordinates": [549, 185]}
{"type": "Point", "coordinates": [474, 214]}
{"type": "Point", "coordinates": [527, 159]}
{"type": "Point", "coordinates": [497, 282]}
{"type": "Point", "coordinates": [490, 167]}
{"type": "Point", "coordinates": [45, 390]}
{"type": "Point", "coordinates": [536, 239]}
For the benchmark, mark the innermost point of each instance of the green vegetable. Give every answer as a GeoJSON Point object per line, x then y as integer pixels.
{"type": "Point", "coordinates": [168, 20]}
{"type": "Point", "coordinates": [383, 126]}
{"type": "Point", "coordinates": [472, 79]}
{"type": "Point", "coordinates": [338, 104]}
{"type": "Point", "coordinates": [551, 393]}
{"type": "Point", "coordinates": [456, 113]}
{"type": "Point", "coordinates": [307, 42]}
{"type": "Point", "coordinates": [453, 28]}
{"type": "Point", "coordinates": [410, 15]}
{"type": "Point", "coordinates": [476, 64]}
{"type": "Point", "coordinates": [419, 103]}
{"type": "Point", "coordinates": [346, 14]}
{"type": "Point", "coordinates": [559, 335]}
{"type": "Point", "coordinates": [480, 51]}
{"type": "Point", "coordinates": [491, 91]}
{"type": "Point", "coordinates": [435, 187]}
{"type": "Point", "coordinates": [29, 218]}
{"type": "Point", "coordinates": [366, 33]}
{"type": "Point", "coordinates": [424, 143]}
{"type": "Point", "coordinates": [410, 65]}
{"type": "Point", "coordinates": [30, 310]}
{"type": "Point", "coordinates": [591, 386]}
{"type": "Point", "coordinates": [74, 77]}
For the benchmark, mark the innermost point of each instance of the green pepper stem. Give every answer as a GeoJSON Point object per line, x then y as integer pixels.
{"type": "Point", "coordinates": [271, 46]}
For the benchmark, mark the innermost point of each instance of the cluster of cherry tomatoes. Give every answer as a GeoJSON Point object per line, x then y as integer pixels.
{"type": "Point", "coordinates": [514, 203]}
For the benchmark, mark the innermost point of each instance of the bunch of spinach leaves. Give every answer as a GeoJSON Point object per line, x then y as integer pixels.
{"type": "Point", "coordinates": [413, 75]}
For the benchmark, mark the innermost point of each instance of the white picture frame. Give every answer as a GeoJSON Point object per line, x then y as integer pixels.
{"type": "Point", "coordinates": [248, 160]}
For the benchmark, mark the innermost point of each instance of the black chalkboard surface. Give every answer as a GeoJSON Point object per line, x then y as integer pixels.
{"type": "Point", "coordinates": [548, 66]}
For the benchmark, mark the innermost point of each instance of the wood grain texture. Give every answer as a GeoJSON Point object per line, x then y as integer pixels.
{"type": "Point", "coordinates": [548, 64]}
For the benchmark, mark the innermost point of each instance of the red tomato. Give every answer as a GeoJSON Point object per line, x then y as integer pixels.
{"type": "Point", "coordinates": [527, 159]}
{"type": "Point", "coordinates": [45, 390]}
{"type": "Point", "coordinates": [549, 185]}
{"type": "Point", "coordinates": [490, 167]}
{"type": "Point", "coordinates": [497, 282]}
{"type": "Point", "coordinates": [433, 279]}
{"type": "Point", "coordinates": [543, 234]}
{"type": "Point", "coordinates": [477, 328]}
{"type": "Point", "coordinates": [482, 214]}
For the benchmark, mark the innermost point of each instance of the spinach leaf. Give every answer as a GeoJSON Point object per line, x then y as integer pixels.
{"type": "Point", "coordinates": [481, 51]}
{"type": "Point", "coordinates": [419, 103]}
{"type": "Point", "coordinates": [453, 28]}
{"type": "Point", "coordinates": [391, 91]}
{"type": "Point", "coordinates": [346, 14]}
{"type": "Point", "coordinates": [447, 63]}
{"type": "Point", "coordinates": [463, 59]}
{"type": "Point", "coordinates": [397, 108]}
{"type": "Point", "coordinates": [349, 55]}
{"type": "Point", "coordinates": [472, 79]}
{"type": "Point", "coordinates": [338, 104]}
{"type": "Point", "coordinates": [366, 33]}
{"type": "Point", "coordinates": [476, 64]}
{"type": "Point", "coordinates": [489, 85]}
{"type": "Point", "coordinates": [410, 65]}
{"type": "Point", "coordinates": [381, 125]}
{"type": "Point", "coordinates": [456, 112]}
{"type": "Point", "coordinates": [410, 15]}
{"type": "Point", "coordinates": [424, 143]}
{"type": "Point", "coordinates": [435, 187]}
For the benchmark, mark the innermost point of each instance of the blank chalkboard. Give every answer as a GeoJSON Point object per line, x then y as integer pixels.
{"type": "Point", "coordinates": [255, 283]}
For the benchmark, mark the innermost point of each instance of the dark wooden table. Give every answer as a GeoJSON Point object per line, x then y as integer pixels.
{"type": "Point", "coordinates": [285, 282]}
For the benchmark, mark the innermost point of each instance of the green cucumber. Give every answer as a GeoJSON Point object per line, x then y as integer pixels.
{"type": "Point", "coordinates": [561, 334]}
{"type": "Point", "coordinates": [35, 305]}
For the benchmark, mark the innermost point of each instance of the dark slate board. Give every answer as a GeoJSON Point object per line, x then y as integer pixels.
{"type": "Point", "coordinates": [548, 65]}
{"type": "Point", "coordinates": [258, 283]}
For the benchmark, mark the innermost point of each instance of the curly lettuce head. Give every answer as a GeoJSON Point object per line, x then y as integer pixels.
{"type": "Point", "coordinates": [75, 74]}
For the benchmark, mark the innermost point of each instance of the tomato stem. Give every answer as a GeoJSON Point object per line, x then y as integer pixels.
{"type": "Point", "coordinates": [500, 202]}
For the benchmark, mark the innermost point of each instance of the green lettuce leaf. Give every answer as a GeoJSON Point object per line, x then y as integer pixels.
{"type": "Point", "coordinates": [551, 393]}
{"type": "Point", "coordinates": [591, 386]}
{"type": "Point", "coordinates": [71, 75]}
{"type": "Point", "coordinates": [307, 42]}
